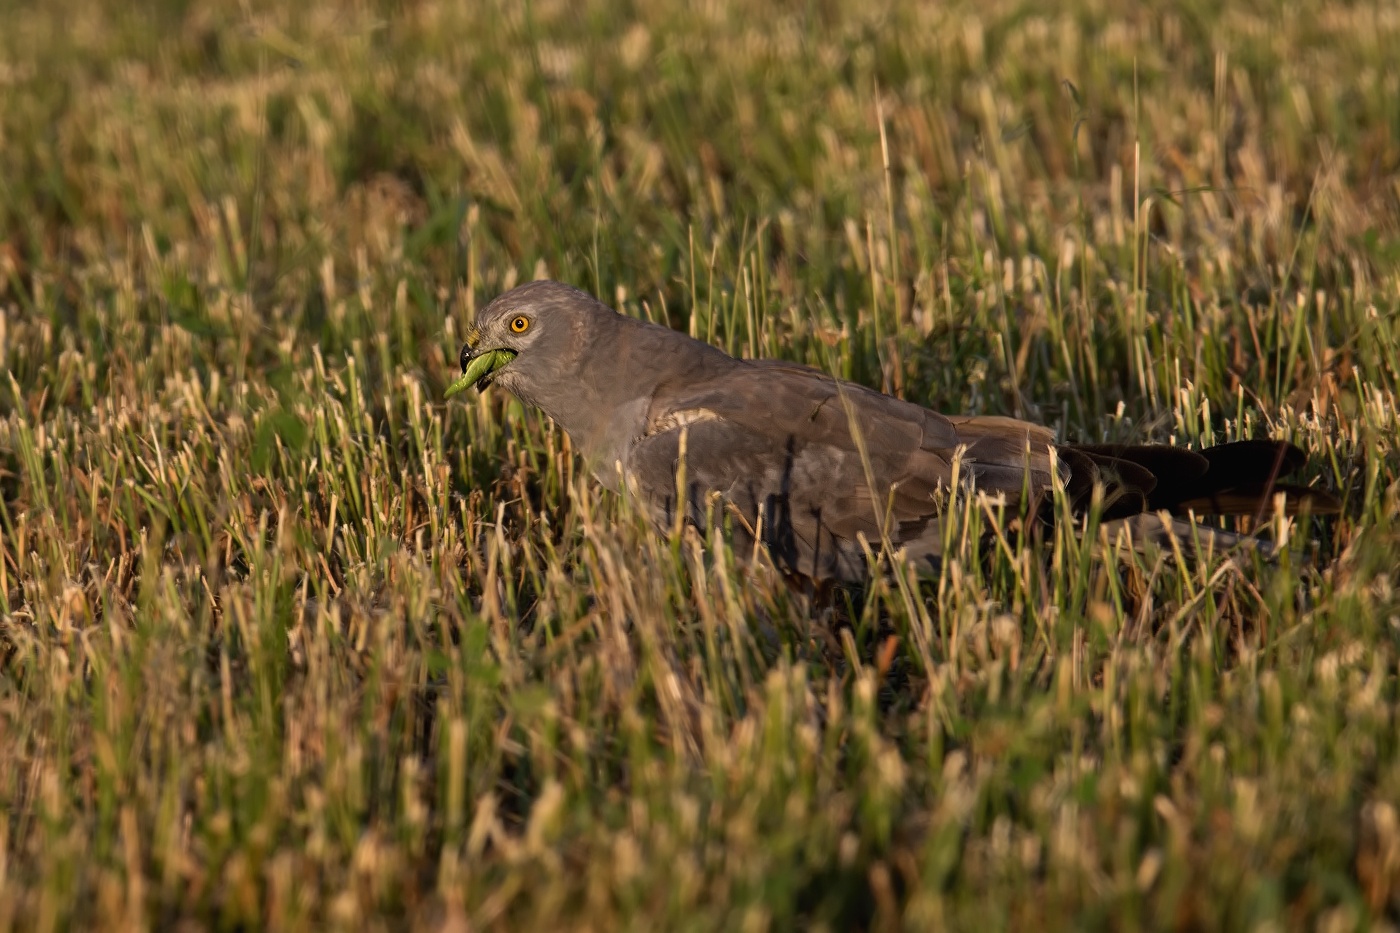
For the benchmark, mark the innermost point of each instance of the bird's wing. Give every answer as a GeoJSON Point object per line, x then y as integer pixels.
{"type": "Point", "coordinates": [812, 463]}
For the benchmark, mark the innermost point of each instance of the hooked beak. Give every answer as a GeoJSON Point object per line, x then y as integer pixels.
{"type": "Point", "coordinates": [478, 366]}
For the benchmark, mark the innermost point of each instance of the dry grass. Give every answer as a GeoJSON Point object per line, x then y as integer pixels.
{"type": "Point", "coordinates": [286, 641]}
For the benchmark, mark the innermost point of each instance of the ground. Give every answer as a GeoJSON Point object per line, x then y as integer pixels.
{"type": "Point", "coordinates": [288, 642]}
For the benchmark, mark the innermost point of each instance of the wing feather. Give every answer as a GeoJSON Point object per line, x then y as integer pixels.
{"type": "Point", "coordinates": [826, 462]}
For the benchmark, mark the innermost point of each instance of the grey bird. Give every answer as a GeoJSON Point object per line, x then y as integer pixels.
{"type": "Point", "coordinates": [815, 468]}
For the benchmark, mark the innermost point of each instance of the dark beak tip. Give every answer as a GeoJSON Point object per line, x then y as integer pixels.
{"type": "Point", "coordinates": [465, 357]}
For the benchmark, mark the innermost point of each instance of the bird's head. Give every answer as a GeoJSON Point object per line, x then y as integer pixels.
{"type": "Point", "coordinates": [531, 340]}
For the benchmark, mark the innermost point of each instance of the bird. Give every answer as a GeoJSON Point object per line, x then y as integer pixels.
{"type": "Point", "coordinates": [818, 470]}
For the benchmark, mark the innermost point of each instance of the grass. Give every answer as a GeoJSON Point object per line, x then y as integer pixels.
{"type": "Point", "coordinates": [286, 641]}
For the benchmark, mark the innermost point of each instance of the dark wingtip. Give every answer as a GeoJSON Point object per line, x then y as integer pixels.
{"type": "Point", "coordinates": [1248, 458]}
{"type": "Point", "coordinates": [1237, 478]}
{"type": "Point", "coordinates": [1245, 476]}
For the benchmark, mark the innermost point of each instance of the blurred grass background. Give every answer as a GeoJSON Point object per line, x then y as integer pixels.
{"type": "Point", "coordinates": [287, 642]}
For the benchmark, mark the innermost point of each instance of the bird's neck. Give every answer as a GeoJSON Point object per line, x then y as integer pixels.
{"type": "Point", "coordinates": [626, 372]}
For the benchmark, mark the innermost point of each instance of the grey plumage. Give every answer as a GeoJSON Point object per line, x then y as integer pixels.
{"type": "Point", "coordinates": [808, 464]}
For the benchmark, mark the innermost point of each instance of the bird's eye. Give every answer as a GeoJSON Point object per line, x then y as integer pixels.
{"type": "Point", "coordinates": [520, 324]}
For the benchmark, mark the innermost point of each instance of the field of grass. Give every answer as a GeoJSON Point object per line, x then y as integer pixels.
{"type": "Point", "coordinates": [286, 642]}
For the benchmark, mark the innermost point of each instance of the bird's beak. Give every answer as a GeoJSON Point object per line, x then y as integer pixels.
{"type": "Point", "coordinates": [478, 366]}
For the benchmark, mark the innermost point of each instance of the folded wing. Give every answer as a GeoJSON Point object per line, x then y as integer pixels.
{"type": "Point", "coordinates": [810, 466]}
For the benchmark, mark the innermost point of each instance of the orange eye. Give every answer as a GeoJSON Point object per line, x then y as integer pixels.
{"type": "Point", "coordinates": [520, 324]}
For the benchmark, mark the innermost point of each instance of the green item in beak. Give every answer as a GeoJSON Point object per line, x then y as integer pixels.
{"type": "Point", "coordinates": [479, 370]}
